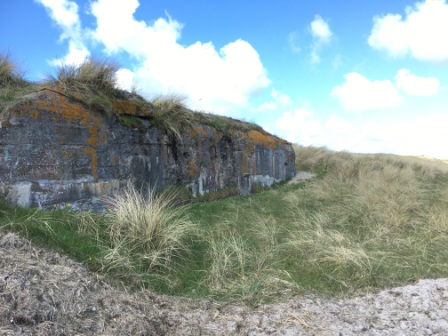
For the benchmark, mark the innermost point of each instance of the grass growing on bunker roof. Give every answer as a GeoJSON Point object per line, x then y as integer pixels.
{"type": "Point", "coordinates": [169, 112]}
{"type": "Point", "coordinates": [94, 83]}
{"type": "Point", "coordinates": [91, 74]}
{"type": "Point", "coordinates": [10, 74]}
{"type": "Point", "coordinates": [13, 85]}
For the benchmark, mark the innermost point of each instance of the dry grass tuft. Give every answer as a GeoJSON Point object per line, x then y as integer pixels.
{"type": "Point", "coordinates": [313, 238]}
{"type": "Point", "coordinates": [170, 114]}
{"type": "Point", "coordinates": [369, 219]}
{"type": "Point", "coordinates": [242, 262]}
{"type": "Point", "coordinates": [10, 74]}
{"type": "Point", "coordinates": [93, 82]}
{"type": "Point", "coordinates": [145, 231]}
{"type": "Point", "coordinates": [92, 74]}
{"type": "Point", "coordinates": [13, 86]}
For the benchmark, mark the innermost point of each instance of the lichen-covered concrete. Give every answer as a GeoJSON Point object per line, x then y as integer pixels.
{"type": "Point", "coordinates": [55, 149]}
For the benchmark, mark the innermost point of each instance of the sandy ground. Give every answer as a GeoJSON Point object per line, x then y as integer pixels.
{"type": "Point", "coordinates": [44, 293]}
{"type": "Point", "coordinates": [301, 176]}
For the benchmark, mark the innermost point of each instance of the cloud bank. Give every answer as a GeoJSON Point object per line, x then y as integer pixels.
{"type": "Point", "coordinates": [421, 33]}
{"type": "Point", "coordinates": [413, 85]}
{"type": "Point", "coordinates": [358, 93]}
{"type": "Point", "coordinates": [424, 135]}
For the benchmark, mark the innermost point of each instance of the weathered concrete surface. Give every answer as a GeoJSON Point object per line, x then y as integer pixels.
{"type": "Point", "coordinates": [54, 149]}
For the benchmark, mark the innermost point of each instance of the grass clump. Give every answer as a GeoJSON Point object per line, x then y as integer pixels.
{"type": "Point", "coordinates": [170, 114]}
{"type": "Point", "coordinates": [13, 86]}
{"type": "Point", "coordinates": [10, 74]}
{"type": "Point", "coordinates": [226, 124]}
{"type": "Point", "coordinates": [140, 239]}
{"type": "Point", "coordinates": [92, 74]}
{"type": "Point", "coordinates": [148, 229]}
{"type": "Point", "coordinates": [92, 82]}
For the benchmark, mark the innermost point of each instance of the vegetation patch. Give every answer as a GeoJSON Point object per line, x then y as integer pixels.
{"type": "Point", "coordinates": [170, 114]}
{"type": "Point", "coordinates": [94, 84]}
{"type": "Point", "coordinates": [13, 86]}
{"type": "Point", "coordinates": [366, 222]}
{"type": "Point", "coordinates": [131, 122]}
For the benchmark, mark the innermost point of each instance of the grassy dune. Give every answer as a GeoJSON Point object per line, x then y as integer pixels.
{"type": "Point", "coordinates": [365, 222]}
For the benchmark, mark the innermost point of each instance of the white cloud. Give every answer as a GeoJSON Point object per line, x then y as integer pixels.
{"type": "Point", "coordinates": [421, 135]}
{"type": "Point", "coordinates": [292, 38]}
{"type": "Point", "coordinates": [359, 93]}
{"type": "Point", "coordinates": [118, 30]}
{"type": "Point", "coordinates": [75, 56]}
{"type": "Point", "coordinates": [65, 14]}
{"type": "Point", "coordinates": [278, 102]}
{"type": "Point", "coordinates": [322, 35]}
{"type": "Point", "coordinates": [125, 79]}
{"type": "Point", "coordinates": [421, 33]}
{"type": "Point", "coordinates": [416, 86]}
{"type": "Point", "coordinates": [299, 125]}
{"type": "Point", "coordinates": [214, 80]}
{"type": "Point", "coordinates": [321, 30]}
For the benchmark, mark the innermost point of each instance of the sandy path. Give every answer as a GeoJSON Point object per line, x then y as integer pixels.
{"type": "Point", "coordinates": [44, 293]}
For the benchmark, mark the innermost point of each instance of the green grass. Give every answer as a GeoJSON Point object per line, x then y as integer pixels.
{"type": "Point", "coordinates": [13, 86]}
{"type": "Point", "coordinates": [94, 84]}
{"type": "Point", "coordinates": [91, 74]}
{"type": "Point", "coordinates": [56, 229]}
{"type": "Point", "coordinates": [169, 113]}
{"type": "Point", "coordinates": [366, 222]}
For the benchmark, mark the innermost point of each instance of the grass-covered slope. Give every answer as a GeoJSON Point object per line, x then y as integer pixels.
{"type": "Point", "coordinates": [365, 222]}
{"type": "Point", "coordinates": [93, 83]}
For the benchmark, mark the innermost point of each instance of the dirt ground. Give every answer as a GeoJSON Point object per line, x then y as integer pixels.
{"type": "Point", "coordinates": [44, 293]}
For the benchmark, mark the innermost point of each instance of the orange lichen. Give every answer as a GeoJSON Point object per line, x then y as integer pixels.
{"type": "Point", "coordinates": [192, 133]}
{"type": "Point", "coordinates": [248, 164]}
{"type": "Point", "coordinates": [90, 151]}
{"type": "Point", "coordinates": [125, 107]}
{"type": "Point", "coordinates": [216, 135]}
{"type": "Point", "coordinates": [93, 140]}
{"type": "Point", "coordinates": [57, 103]}
{"type": "Point", "coordinates": [266, 140]}
{"type": "Point", "coordinates": [199, 132]}
{"type": "Point", "coordinates": [34, 114]}
{"type": "Point", "coordinates": [191, 168]}
{"type": "Point", "coordinates": [66, 152]}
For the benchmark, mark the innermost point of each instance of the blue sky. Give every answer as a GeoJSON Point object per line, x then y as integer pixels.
{"type": "Point", "coordinates": [363, 76]}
